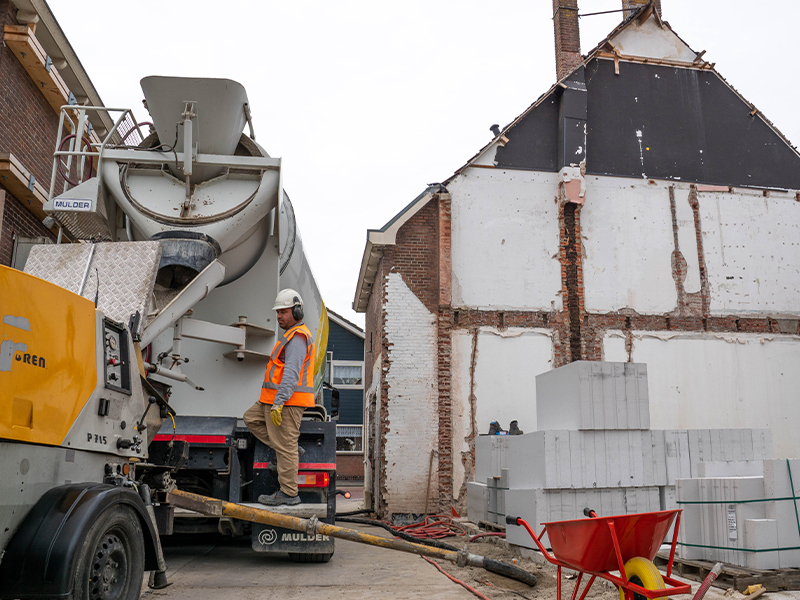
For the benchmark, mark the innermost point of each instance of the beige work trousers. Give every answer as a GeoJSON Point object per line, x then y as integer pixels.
{"type": "Point", "coordinates": [282, 439]}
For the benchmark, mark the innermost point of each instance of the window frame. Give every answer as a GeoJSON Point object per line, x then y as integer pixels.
{"type": "Point", "coordinates": [346, 363]}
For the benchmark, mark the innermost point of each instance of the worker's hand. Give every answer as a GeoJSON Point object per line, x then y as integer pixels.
{"type": "Point", "coordinates": [275, 415]}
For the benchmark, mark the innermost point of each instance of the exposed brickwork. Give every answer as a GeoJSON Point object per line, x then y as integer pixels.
{"type": "Point", "coordinates": [567, 36]}
{"type": "Point", "coordinates": [569, 342]}
{"type": "Point", "coordinates": [28, 124]}
{"type": "Point", "coordinates": [415, 255]}
{"type": "Point", "coordinates": [639, 3]}
{"type": "Point", "coordinates": [16, 221]}
{"type": "Point", "coordinates": [28, 128]}
{"type": "Point", "coordinates": [692, 304]}
{"type": "Point", "coordinates": [349, 467]}
{"type": "Point", "coordinates": [444, 346]}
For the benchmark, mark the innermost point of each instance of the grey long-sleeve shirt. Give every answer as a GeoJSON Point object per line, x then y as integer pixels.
{"type": "Point", "coordinates": [294, 353]}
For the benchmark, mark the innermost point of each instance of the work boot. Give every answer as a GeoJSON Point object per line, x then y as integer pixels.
{"type": "Point", "coordinates": [278, 498]}
{"type": "Point", "coordinates": [514, 429]}
{"type": "Point", "coordinates": [495, 429]}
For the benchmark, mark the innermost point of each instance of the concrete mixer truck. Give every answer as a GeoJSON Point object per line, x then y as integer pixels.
{"type": "Point", "coordinates": [130, 354]}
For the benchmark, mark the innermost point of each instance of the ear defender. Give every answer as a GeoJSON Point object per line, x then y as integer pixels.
{"type": "Point", "coordinates": [297, 309]}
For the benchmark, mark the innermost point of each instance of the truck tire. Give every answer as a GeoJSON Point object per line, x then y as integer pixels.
{"type": "Point", "coordinates": [310, 557]}
{"type": "Point", "coordinates": [110, 565]}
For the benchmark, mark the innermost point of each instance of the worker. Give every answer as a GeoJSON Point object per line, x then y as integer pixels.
{"type": "Point", "coordinates": [287, 390]}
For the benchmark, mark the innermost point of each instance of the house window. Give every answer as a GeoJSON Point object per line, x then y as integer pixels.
{"type": "Point", "coordinates": [349, 439]}
{"type": "Point", "coordinates": [347, 374]}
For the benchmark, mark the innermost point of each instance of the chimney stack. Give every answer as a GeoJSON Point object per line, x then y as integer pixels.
{"type": "Point", "coordinates": [568, 39]}
{"type": "Point", "coordinates": [638, 3]}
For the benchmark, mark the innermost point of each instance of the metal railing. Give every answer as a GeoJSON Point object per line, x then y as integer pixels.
{"type": "Point", "coordinates": [78, 136]}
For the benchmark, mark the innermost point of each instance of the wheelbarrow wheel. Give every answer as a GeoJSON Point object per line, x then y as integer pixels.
{"type": "Point", "coordinates": [644, 573]}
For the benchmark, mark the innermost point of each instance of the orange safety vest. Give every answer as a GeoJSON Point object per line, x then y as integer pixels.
{"type": "Point", "coordinates": [304, 392]}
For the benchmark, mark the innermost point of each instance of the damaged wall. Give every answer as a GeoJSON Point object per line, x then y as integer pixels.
{"type": "Point", "coordinates": [641, 250]}
{"type": "Point", "coordinates": [720, 381]}
{"type": "Point", "coordinates": [504, 238]}
{"type": "Point", "coordinates": [411, 378]}
{"type": "Point", "coordinates": [635, 212]}
{"type": "Point", "coordinates": [484, 389]}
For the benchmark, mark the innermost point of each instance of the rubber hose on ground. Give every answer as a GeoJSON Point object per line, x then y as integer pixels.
{"type": "Point", "coordinates": [352, 513]}
{"type": "Point", "coordinates": [511, 571]}
{"type": "Point", "coordinates": [402, 535]}
{"type": "Point", "coordinates": [494, 566]}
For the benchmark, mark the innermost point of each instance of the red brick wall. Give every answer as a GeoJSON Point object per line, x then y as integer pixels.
{"type": "Point", "coordinates": [349, 467]}
{"type": "Point", "coordinates": [415, 255]}
{"type": "Point", "coordinates": [567, 36]}
{"type": "Point", "coordinates": [28, 128]}
{"type": "Point", "coordinates": [638, 3]}
{"type": "Point", "coordinates": [28, 124]}
{"type": "Point", "coordinates": [16, 220]}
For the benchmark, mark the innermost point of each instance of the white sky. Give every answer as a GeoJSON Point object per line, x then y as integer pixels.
{"type": "Point", "coordinates": [369, 101]}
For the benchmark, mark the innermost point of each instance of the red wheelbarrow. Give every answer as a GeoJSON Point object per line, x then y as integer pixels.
{"type": "Point", "coordinates": [625, 543]}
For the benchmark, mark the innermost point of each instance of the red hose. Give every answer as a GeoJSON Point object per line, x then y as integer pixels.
{"type": "Point", "coordinates": [712, 575]}
{"type": "Point", "coordinates": [458, 581]}
{"type": "Point", "coordinates": [433, 527]}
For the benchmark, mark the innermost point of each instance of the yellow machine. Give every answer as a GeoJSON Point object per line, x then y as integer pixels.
{"type": "Point", "coordinates": [73, 414]}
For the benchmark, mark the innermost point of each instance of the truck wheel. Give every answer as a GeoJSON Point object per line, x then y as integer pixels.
{"type": "Point", "coordinates": [310, 557]}
{"type": "Point", "coordinates": [110, 565]}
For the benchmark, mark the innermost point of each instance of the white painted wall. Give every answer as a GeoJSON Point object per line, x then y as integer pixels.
{"type": "Point", "coordinates": [650, 40]}
{"type": "Point", "coordinates": [626, 226]}
{"type": "Point", "coordinates": [505, 240]}
{"type": "Point", "coordinates": [720, 381]}
{"type": "Point", "coordinates": [751, 245]}
{"type": "Point", "coordinates": [413, 398]}
{"type": "Point", "coordinates": [505, 366]}
{"type": "Point", "coordinates": [752, 250]}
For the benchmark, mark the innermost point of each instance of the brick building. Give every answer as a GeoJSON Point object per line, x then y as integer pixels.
{"type": "Point", "coordinates": [39, 72]}
{"type": "Point", "coordinates": [640, 210]}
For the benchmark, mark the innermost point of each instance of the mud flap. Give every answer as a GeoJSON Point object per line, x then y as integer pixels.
{"type": "Point", "coordinates": [266, 538]}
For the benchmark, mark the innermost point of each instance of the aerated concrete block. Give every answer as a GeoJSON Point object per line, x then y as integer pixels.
{"type": "Point", "coordinates": [731, 468]}
{"type": "Point", "coordinates": [760, 534]}
{"type": "Point", "coordinates": [591, 395]}
{"type": "Point", "coordinates": [690, 534]}
{"type": "Point", "coordinates": [477, 502]}
{"type": "Point", "coordinates": [587, 459]}
{"type": "Point", "coordinates": [491, 456]}
{"type": "Point", "coordinates": [497, 487]}
{"type": "Point", "coordinates": [778, 484]}
{"type": "Point", "coordinates": [538, 506]}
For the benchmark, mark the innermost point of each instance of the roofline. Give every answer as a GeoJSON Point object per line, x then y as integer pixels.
{"type": "Point", "coordinates": [378, 239]}
{"type": "Point", "coordinates": [38, 11]}
{"type": "Point", "coordinates": [345, 324]}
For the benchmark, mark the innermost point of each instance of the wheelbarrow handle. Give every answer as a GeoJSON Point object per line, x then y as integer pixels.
{"type": "Point", "coordinates": [589, 513]}
{"type": "Point", "coordinates": [512, 520]}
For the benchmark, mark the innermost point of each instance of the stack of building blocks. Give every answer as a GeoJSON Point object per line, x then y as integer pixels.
{"type": "Point", "coordinates": [749, 520]}
{"type": "Point", "coordinates": [594, 448]}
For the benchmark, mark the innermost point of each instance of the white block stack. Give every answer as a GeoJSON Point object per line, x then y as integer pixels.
{"type": "Point", "coordinates": [594, 448]}
{"type": "Point", "coordinates": [749, 521]}
{"type": "Point", "coordinates": [587, 395]}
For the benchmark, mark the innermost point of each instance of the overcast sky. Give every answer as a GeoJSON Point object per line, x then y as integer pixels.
{"type": "Point", "coordinates": [369, 101]}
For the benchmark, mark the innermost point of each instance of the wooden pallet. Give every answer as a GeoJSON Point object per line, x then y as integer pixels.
{"type": "Point", "coordinates": [733, 576]}
{"type": "Point", "coordinates": [491, 526]}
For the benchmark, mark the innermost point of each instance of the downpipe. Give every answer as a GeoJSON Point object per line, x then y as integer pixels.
{"type": "Point", "coordinates": [313, 526]}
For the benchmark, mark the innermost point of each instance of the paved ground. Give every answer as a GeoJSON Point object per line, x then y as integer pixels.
{"type": "Point", "coordinates": [214, 567]}
{"type": "Point", "coordinates": [220, 567]}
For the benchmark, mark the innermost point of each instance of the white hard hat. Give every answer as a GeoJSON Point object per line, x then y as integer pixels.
{"type": "Point", "coordinates": [287, 298]}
